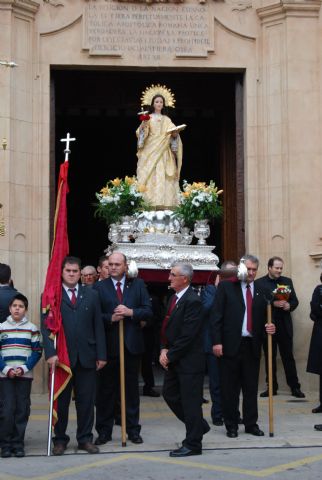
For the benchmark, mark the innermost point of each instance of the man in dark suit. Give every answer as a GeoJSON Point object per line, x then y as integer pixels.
{"type": "Point", "coordinates": [237, 328]}
{"type": "Point", "coordinates": [281, 314]}
{"type": "Point", "coordinates": [127, 299]}
{"type": "Point", "coordinates": [7, 292]}
{"type": "Point", "coordinates": [84, 331]}
{"type": "Point", "coordinates": [182, 356]}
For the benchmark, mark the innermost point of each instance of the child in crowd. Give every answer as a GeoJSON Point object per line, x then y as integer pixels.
{"type": "Point", "coordinates": [20, 350]}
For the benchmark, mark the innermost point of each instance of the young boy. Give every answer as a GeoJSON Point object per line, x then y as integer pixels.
{"type": "Point", "coordinates": [20, 350]}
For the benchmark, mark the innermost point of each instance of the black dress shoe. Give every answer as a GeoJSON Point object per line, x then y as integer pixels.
{"type": "Point", "coordinates": [184, 452]}
{"type": "Point", "coordinates": [317, 409]}
{"type": "Point", "coordinates": [265, 394]}
{"type": "Point", "coordinates": [18, 452]}
{"type": "Point", "coordinates": [218, 421]}
{"type": "Point", "coordinates": [296, 392]}
{"type": "Point", "coordinates": [254, 430]}
{"type": "Point", "coordinates": [318, 427]}
{"type": "Point", "coordinates": [6, 452]}
{"type": "Point", "coordinates": [136, 438]}
{"type": "Point", "coordinates": [102, 439]}
{"type": "Point", "coordinates": [232, 433]}
{"type": "Point", "coordinates": [150, 392]}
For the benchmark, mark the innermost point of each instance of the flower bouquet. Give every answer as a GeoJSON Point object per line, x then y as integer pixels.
{"type": "Point", "coordinates": [120, 198]}
{"type": "Point", "coordinates": [282, 292]}
{"type": "Point", "coordinates": [198, 201]}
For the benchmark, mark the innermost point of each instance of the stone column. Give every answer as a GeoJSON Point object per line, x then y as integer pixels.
{"type": "Point", "coordinates": [288, 177]}
{"type": "Point", "coordinates": [23, 191]}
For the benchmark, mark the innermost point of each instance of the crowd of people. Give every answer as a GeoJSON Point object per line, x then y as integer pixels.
{"type": "Point", "coordinates": [219, 329]}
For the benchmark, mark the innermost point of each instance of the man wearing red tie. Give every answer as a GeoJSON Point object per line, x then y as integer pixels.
{"type": "Point", "coordinates": [237, 329]}
{"type": "Point", "coordinates": [84, 331]}
{"type": "Point", "coordinates": [127, 299]}
{"type": "Point", "coordinates": [182, 356]}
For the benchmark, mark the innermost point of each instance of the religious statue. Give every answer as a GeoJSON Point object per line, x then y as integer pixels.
{"type": "Point", "coordinates": [159, 148]}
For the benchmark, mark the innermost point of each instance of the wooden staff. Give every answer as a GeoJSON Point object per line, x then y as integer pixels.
{"type": "Point", "coordinates": [270, 373]}
{"type": "Point", "coordinates": [122, 383]}
{"type": "Point", "coordinates": [51, 405]}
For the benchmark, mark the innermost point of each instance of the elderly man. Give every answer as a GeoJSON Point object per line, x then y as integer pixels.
{"type": "Point", "coordinates": [88, 275]}
{"type": "Point", "coordinates": [127, 299]}
{"type": "Point", "coordinates": [237, 328]}
{"type": "Point", "coordinates": [182, 356]}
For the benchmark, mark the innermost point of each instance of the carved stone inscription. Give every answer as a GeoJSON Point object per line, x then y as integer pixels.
{"type": "Point", "coordinates": [147, 32]}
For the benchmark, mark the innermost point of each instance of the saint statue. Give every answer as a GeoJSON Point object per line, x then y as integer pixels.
{"type": "Point", "coordinates": [159, 149]}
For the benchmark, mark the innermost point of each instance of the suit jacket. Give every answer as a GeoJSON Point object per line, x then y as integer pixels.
{"type": "Point", "coordinates": [184, 333]}
{"type": "Point", "coordinates": [267, 285]}
{"type": "Point", "coordinates": [83, 327]}
{"type": "Point", "coordinates": [136, 297]}
{"type": "Point", "coordinates": [6, 295]}
{"type": "Point", "coordinates": [314, 363]}
{"type": "Point", "coordinates": [207, 296]}
{"type": "Point", "coordinates": [228, 315]}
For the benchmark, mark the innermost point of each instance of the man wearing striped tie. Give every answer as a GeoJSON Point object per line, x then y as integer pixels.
{"type": "Point", "coordinates": [183, 358]}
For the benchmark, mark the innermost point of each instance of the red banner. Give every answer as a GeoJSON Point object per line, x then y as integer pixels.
{"type": "Point", "coordinates": [52, 295]}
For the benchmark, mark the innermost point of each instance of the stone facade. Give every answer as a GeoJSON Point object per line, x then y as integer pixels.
{"type": "Point", "coordinates": [275, 43]}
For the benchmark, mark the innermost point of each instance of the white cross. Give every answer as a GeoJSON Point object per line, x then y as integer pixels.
{"type": "Point", "coordinates": [67, 140]}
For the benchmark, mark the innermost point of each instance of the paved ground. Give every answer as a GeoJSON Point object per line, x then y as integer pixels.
{"type": "Point", "coordinates": [293, 453]}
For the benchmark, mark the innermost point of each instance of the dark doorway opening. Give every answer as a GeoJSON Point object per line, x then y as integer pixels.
{"type": "Point", "coordinates": [100, 108]}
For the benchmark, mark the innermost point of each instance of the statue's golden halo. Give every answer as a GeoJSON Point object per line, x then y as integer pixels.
{"type": "Point", "coordinates": [154, 90]}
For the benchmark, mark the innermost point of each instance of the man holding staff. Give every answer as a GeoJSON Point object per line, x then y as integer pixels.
{"type": "Point", "coordinates": [237, 328]}
{"type": "Point", "coordinates": [128, 300]}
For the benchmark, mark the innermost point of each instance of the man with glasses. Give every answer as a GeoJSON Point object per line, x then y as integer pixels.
{"type": "Point", "coordinates": [88, 275]}
{"type": "Point", "coordinates": [182, 356]}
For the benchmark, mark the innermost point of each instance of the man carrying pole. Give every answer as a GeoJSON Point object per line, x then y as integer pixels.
{"type": "Point", "coordinates": [84, 332]}
{"type": "Point", "coordinates": [124, 300]}
{"type": "Point", "coordinates": [72, 333]}
{"type": "Point", "coordinates": [238, 325]}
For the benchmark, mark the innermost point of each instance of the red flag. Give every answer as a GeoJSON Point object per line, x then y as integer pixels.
{"type": "Point", "coordinates": [51, 298]}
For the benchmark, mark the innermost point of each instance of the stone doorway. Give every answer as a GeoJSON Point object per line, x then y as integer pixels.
{"type": "Point", "coordinates": [99, 109]}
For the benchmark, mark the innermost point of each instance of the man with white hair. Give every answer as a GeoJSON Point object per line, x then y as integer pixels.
{"type": "Point", "coordinates": [88, 275]}
{"type": "Point", "coordinates": [183, 358]}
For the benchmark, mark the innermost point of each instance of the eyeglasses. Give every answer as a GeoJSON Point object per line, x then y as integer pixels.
{"type": "Point", "coordinates": [171, 274]}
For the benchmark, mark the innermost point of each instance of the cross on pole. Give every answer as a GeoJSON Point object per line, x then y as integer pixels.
{"type": "Point", "coordinates": [67, 140]}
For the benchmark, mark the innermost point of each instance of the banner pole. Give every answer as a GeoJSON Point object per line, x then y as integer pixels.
{"type": "Point", "coordinates": [51, 406]}
{"type": "Point", "coordinates": [270, 373]}
{"type": "Point", "coordinates": [122, 383]}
